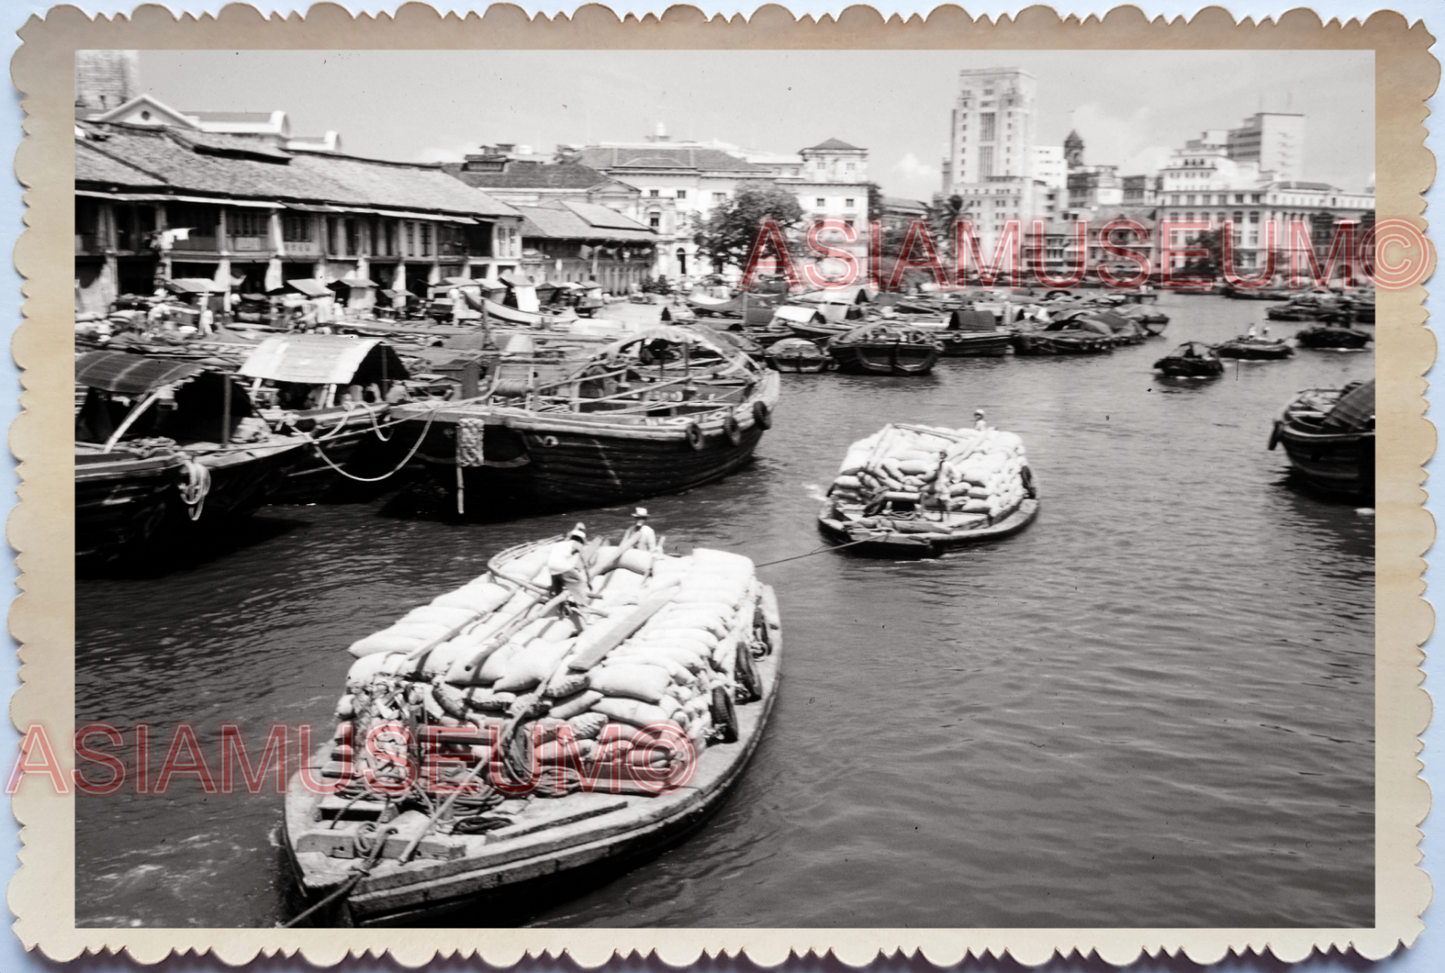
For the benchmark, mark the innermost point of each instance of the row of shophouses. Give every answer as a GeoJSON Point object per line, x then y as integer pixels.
{"type": "Point", "coordinates": [160, 195]}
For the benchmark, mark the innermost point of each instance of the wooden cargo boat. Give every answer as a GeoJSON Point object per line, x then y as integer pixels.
{"type": "Point", "coordinates": [662, 411]}
{"type": "Point", "coordinates": [1332, 337]}
{"type": "Point", "coordinates": [974, 332]}
{"type": "Point", "coordinates": [339, 392]}
{"type": "Point", "coordinates": [752, 310]}
{"type": "Point", "coordinates": [1329, 437]}
{"type": "Point", "coordinates": [883, 348]}
{"type": "Point", "coordinates": [975, 486]}
{"type": "Point", "coordinates": [1254, 348]}
{"type": "Point", "coordinates": [1193, 359]}
{"type": "Point", "coordinates": [797, 355]}
{"type": "Point", "coordinates": [554, 799]}
{"type": "Point", "coordinates": [164, 449]}
{"type": "Point", "coordinates": [1069, 337]}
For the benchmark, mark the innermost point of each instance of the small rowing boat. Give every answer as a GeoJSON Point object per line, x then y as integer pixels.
{"type": "Point", "coordinates": [797, 355]}
{"type": "Point", "coordinates": [490, 754]}
{"type": "Point", "coordinates": [1333, 338]}
{"type": "Point", "coordinates": [1329, 436]}
{"type": "Point", "coordinates": [1193, 359]}
{"type": "Point", "coordinates": [1254, 348]}
{"type": "Point", "coordinates": [917, 491]}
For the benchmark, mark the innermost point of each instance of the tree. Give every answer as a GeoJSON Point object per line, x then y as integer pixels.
{"type": "Point", "coordinates": [1211, 265]}
{"type": "Point", "coordinates": [728, 235]}
{"type": "Point", "coordinates": [876, 206]}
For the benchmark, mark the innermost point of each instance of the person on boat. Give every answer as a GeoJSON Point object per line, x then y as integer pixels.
{"type": "Point", "coordinates": [569, 575]}
{"type": "Point", "coordinates": [1253, 332]}
{"type": "Point", "coordinates": [640, 536]}
{"type": "Point", "coordinates": [978, 420]}
{"type": "Point", "coordinates": [1264, 331]}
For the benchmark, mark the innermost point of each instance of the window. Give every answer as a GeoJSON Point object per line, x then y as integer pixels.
{"type": "Point", "coordinates": [1239, 197]}
{"type": "Point", "coordinates": [849, 224]}
{"type": "Point", "coordinates": [851, 167]}
{"type": "Point", "coordinates": [1238, 217]}
{"type": "Point", "coordinates": [847, 204]}
{"type": "Point", "coordinates": [654, 193]}
{"type": "Point", "coordinates": [1189, 201]}
{"type": "Point", "coordinates": [424, 233]}
{"type": "Point", "coordinates": [296, 229]}
{"type": "Point", "coordinates": [654, 220]}
{"type": "Point", "coordinates": [1254, 198]}
{"type": "Point", "coordinates": [821, 202]}
{"type": "Point", "coordinates": [1254, 216]}
{"type": "Point", "coordinates": [985, 161]}
{"type": "Point", "coordinates": [986, 120]}
{"type": "Point", "coordinates": [410, 230]}
{"type": "Point", "coordinates": [719, 197]}
{"type": "Point", "coordinates": [682, 194]}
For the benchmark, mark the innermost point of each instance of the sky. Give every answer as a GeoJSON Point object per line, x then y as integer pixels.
{"type": "Point", "coordinates": [1130, 107]}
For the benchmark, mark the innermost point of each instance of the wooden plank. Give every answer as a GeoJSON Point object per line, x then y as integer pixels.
{"type": "Point", "coordinates": [622, 631]}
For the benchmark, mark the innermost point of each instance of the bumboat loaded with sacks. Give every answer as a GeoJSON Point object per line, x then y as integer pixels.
{"type": "Point", "coordinates": [912, 490]}
{"type": "Point", "coordinates": [485, 744]}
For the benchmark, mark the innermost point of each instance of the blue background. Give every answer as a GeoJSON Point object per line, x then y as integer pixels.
{"type": "Point", "coordinates": [1426, 956]}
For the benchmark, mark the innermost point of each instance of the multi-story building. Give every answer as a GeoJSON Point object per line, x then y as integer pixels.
{"type": "Point", "coordinates": [683, 181]}
{"type": "Point", "coordinates": [1274, 141]}
{"type": "Point", "coordinates": [1050, 166]}
{"type": "Point", "coordinates": [992, 131]}
{"type": "Point", "coordinates": [1202, 184]}
{"type": "Point", "coordinates": [159, 202]}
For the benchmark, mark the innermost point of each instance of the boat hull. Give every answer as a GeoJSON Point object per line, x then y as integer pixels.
{"type": "Point", "coordinates": [872, 542]}
{"type": "Point", "coordinates": [1325, 337]}
{"type": "Point", "coordinates": [547, 864]}
{"type": "Point", "coordinates": [1340, 464]}
{"type": "Point", "coordinates": [122, 500]}
{"type": "Point", "coordinates": [977, 345]}
{"type": "Point", "coordinates": [891, 358]}
{"type": "Point", "coordinates": [1190, 367]}
{"type": "Point", "coordinates": [798, 363]}
{"type": "Point", "coordinates": [345, 439]}
{"type": "Point", "coordinates": [1060, 343]}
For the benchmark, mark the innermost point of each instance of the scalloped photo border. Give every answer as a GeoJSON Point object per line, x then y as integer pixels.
{"type": "Point", "coordinates": [41, 526]}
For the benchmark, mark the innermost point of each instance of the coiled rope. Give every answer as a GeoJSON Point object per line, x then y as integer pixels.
{"type": "Point", "coordinates": [431, 416]}
{"type": "Point", "coordinates": [194, 490]}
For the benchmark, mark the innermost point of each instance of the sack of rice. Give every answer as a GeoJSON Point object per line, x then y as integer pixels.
{"type": "Point", "coordinates": [490, 701]}
{"type": "Point", "coordinates": [587, 726]}
{"type": "Point", "coordinates": [633, 712]}
{"type": "Point", "coordinates": [383, 642]}
{"type": "Point", "coordinates": [622, 588]}
{"type": "Point", "coordinates": [565, 683]}
{"type": "Point", "coordinates": [369, 666]}
{"type": "Point", "coordinates": [530, 665]}
{"type": "Point", "coordinates": [636, 681]}
{"type": "Point", "coordinates": [494, 665]}
{"type": "Point", "coordinates": [574, 705]}
{"type": "Point", "coordinates": [449, 618]}
{"type": "Point", "coordinates": [479, 596]}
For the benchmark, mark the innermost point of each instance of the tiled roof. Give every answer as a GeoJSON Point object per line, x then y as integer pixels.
{"type": "Point", "coordinates": [221, 165]}
{"type": "Point", "coordinates": [563, 175]}
{"type": "Point", "coordinates": [564, 223]}
{"type": "Point", "coordinates": [898, 202]}
{"type": "Point", "coordinates": [599, 215]}
{"type": "Point", "coordinates": [93, 167]}
{"type": "Point", "coordinates": [833, 145]}
{"type": "Point", "coordinates": [663, 156]}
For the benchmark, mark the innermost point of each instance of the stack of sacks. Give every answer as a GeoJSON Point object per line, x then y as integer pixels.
{"type": "Point", "coordinates": [963, 470]}
{"type": "Point", "coordinates": [664, 673]}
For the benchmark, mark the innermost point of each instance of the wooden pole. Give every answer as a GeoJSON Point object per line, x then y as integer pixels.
{"type": "Point", "coordinates": [225, 409]}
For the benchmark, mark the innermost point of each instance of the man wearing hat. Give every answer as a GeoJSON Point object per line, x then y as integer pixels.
{"type": "Point", "coordinates": [569, 574]}
{"type": "Point", "coordinates": [640, 536]}
{"type": "Point", "coordinates": [978, 422]}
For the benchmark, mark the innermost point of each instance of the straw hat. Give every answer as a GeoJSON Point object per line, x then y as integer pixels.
{"type": "Point", "coordinates": [640, 513]}
{"type": "Point", "coordinates": [579, 533]}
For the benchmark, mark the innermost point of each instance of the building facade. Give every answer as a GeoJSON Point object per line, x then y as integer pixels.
{"type": "Point", "coordinates": [155, 203]}
{"type": "Point", "coordinates": [1274, 141]}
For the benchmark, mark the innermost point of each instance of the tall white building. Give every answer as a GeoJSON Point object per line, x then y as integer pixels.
{"type": "Point", "coordinates": [993, 126]}
{"type": "Point", "coordinates": [1050, 166]}
{"type": "Point", "coordinates": [1275, 141]}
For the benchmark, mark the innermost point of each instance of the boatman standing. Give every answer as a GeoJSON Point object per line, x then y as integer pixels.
{"type": "Point", "coordinates": [978, 422]}
{"type": "Point", "coordinates": [640, 536]}
{"type": "Point", "coordinates": [569, 575]}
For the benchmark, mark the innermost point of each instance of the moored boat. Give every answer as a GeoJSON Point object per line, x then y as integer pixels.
{"type": "Point", "coordinates": [974, 332]}
{"type": "Point", "coordinates": [1329, 437]}
{"type": "Point", "coordinates": [339, 392]}
{"type": "Point", "coordinates": [165, 449]}
{"type": "Point", "coordinates": [1254, 348]}
{"type": "Point", "coordinates": [916, 491]}
{"type": "Point", "coordinates": [662, 411]}
{"type": "Point", "coordinates": [549, 753]}
{"type": "Point", "coordinates": [797, 355]}
{"type": "Point", "coordinates": [1332, 337]}
{"type": "Point", "coordinates": [884, 348]}
{"type": "Point", "coordinates": [1074, 336]}
{"type": "Point", "coordinates": [1193, 359]}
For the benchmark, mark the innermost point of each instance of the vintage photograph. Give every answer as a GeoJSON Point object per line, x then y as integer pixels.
{"type": "Point", "coordinates": [730, 489]}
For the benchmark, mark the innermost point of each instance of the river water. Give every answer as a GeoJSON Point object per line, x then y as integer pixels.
{"type": "Point", "coordinates": [1152, 708]}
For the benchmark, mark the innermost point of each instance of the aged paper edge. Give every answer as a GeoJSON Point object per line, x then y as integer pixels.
{"type": "Point", "coordinates": [41, 527]}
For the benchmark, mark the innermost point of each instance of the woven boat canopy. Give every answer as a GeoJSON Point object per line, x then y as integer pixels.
{"type": "Point", "coordinates": [117, 371]}
{"type": "Point", "coordinates": [1355, 410]}
{"type": "Point", "coordinates": [323, 359]}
